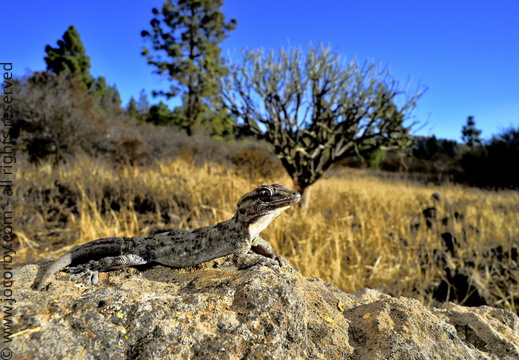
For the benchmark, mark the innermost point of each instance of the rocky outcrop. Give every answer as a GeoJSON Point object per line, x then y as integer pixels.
{"type": "Point", "coordinates": [258, 313]}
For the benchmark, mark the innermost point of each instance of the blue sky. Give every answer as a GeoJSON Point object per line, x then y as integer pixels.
{"type": "Point", "coordinates": [465, 52]}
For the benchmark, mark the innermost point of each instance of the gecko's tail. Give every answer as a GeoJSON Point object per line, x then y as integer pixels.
{"type": "Point", "coordinates": [83, 253]}
{"type": "Point", "coordinates": [60, 263]}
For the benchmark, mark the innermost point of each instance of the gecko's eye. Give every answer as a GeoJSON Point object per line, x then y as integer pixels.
{"type": "Point", "coordinates": [265, 194]}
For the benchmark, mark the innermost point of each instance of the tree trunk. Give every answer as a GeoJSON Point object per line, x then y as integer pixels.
{"type": "Point", "coordinates": [189, 129]}
{"type": "Point", "coordinates": [305, 199]}
{"type": "Point", "coordinates": [305, 194]}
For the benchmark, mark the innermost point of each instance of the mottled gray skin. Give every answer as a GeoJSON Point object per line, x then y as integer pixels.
{"type": "Point", "coordinates": [181, 248]}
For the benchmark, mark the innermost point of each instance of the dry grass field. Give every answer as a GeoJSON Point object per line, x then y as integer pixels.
{"type": "Point", "coordinates": [359, 230]}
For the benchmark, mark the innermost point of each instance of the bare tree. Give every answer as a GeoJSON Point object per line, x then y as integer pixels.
{"type": "Point", "coordinates": [314, 109]}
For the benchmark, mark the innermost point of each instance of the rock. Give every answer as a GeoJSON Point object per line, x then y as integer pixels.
{"type": "Point", "coordinates": [257, 313]}
{"type": "Point", "coordinates": [491, 330]}
{"type": "Point", "coordinates": [430, 214]}
{"type": "Point", "coordinates": [450, 243]}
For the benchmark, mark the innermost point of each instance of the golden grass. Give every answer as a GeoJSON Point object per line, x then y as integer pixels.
{"type": "Point", "coordinates": [360, 226]}
{"type": "Point", "coordinates": [355, 232]}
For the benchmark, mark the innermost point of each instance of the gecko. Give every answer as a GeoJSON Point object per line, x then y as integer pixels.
{"type": "Point", "coordinates": [237, 236]}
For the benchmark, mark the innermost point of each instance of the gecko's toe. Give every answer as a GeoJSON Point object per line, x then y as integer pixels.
{"type": "Point", "coordinates": [281, 261]}
{"type": "Point", "coordinates": [75, 270]}
{"type": "Point", "coordinates": [91, 276]}
{"type": "Point", "coordinates": [77, 275]}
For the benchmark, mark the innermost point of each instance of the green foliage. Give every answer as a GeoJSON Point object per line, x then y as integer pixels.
{"type": "Point", "coordinates": [185, 38]}
{"type": "Point", "coordinates": [450, 148]}
{"type": "Point", "coordinates": [131, 109]}
{"type": "Point", "coordinates": [160, 115]}
{"type": "Point", "coordinates": [494, 165]}
{"type": "Point", "coordinates": [218, 124]}
{"type": "Point", "coordinates": [426, 148]}
{"type": "Point", "coordinates": [69, 58]}
{"type": "Point", "coordinates": [108, 98]}
{"type": "Point", "coordinates": [314, 110]}
{"type": "Point", "coordinates": [143, 105]}
{"type": "Point", "coordinates": [469, 133]}
{"type": "Point", "coordinates": [508, 140]}
{"type": "Point", "coordinates": [374, 158]}
{"type": "Point", "coordinates": [431, 148]}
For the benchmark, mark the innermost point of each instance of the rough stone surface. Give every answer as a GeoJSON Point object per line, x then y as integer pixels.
{"type": "Point", "coordinates": [257, 313]}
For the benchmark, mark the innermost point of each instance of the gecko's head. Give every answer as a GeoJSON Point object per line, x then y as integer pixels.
{"type": "Point", "coordinates": [259, 207]}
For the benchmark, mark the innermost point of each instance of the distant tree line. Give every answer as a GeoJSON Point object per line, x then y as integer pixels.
{"type": "Point", "coordinates": [488, 164]}
{"type": "Point", "coordinates": [493, 163]}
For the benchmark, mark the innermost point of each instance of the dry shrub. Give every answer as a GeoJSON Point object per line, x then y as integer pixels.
{"type": "Point", "coordinates": [256, 163]}
{"type": "Point", "coordinates": [54, 118]}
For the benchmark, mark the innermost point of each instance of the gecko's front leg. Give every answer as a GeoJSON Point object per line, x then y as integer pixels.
{"type": "Point", "coordinates": [249, 260]}
{"type": "Point", "coordinates": [262, 255]}
{"type": "Point", "coordinates": [262, 247]}
{"type": "Point", "coordinates": [90, 270]}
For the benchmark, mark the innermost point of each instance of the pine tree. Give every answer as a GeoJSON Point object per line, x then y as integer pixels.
{"type": "Point", "coordinates": [160, 114]}
{"type": "Point", "coordinates": [131, 109]}
{"type": "Point", "coordinates": [70, 58]}
{"type": "Point", "coordinates": [108, 97]}
{"type": "Point", "coordinates": [469, 133]}
{"type": "Point", "coordinates": [143, 105]}
{"type": "Point", "coordinates": [189, 33]}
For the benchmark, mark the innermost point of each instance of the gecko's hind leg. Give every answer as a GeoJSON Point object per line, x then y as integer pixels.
{"type": "Point", "coordinates": [90, 270]}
